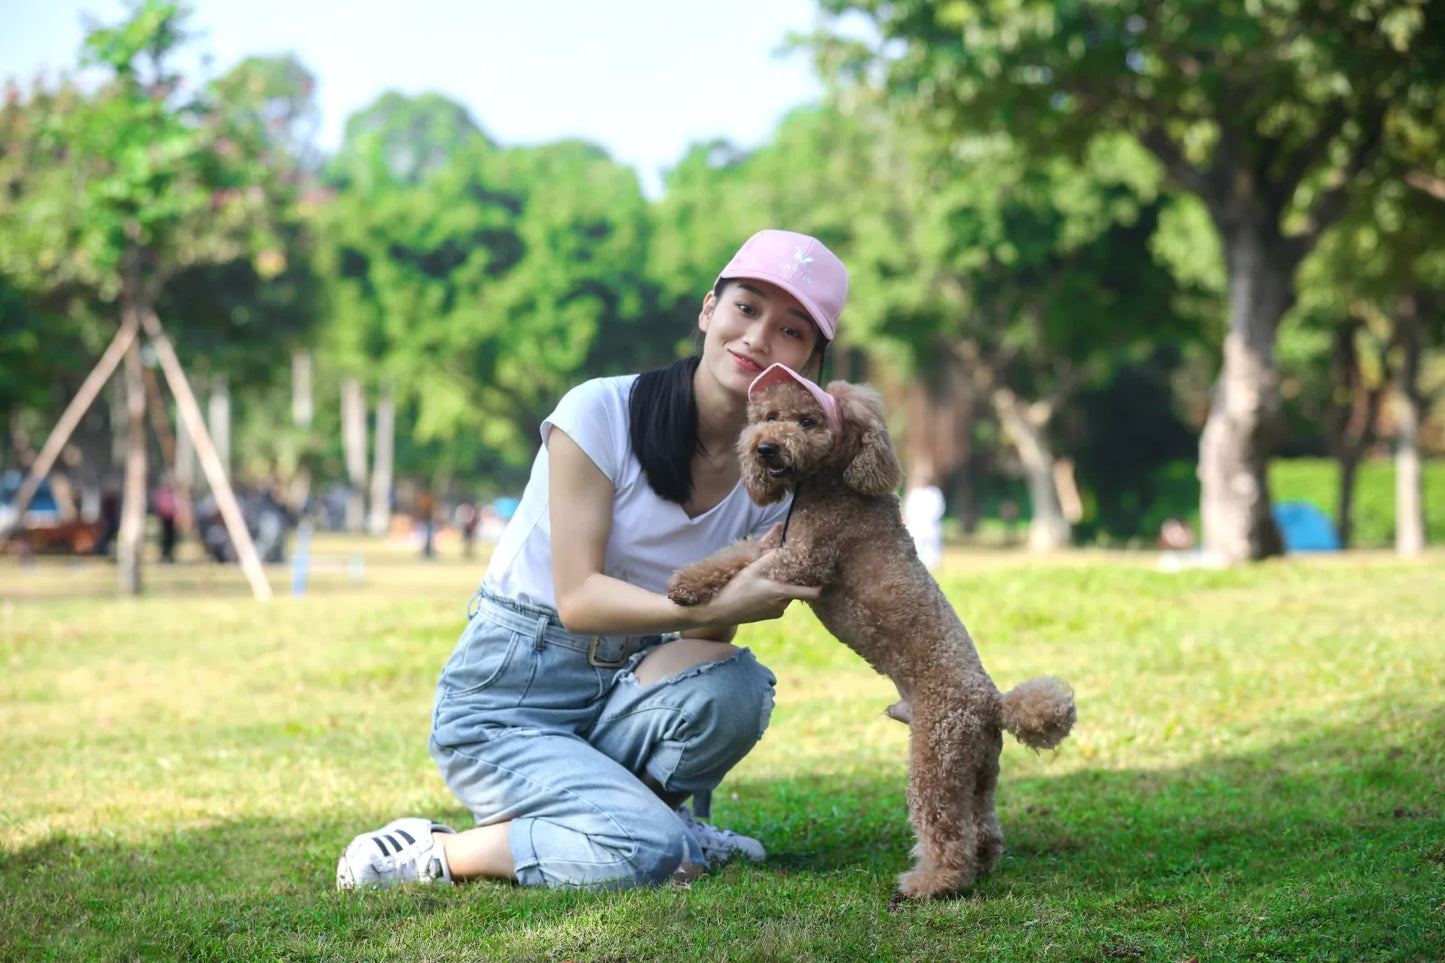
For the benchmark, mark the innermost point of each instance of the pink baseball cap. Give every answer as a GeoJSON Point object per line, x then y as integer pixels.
{"type": "Point", "coordinates": [775, 373]}
{"type": "Point", "coordinates": [800, 265]}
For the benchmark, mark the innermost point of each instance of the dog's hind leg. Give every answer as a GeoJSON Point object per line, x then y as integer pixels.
{"type": "Point", "coordinates": [990, 831]}
{"type": "Point", "coordinates": [941, 802]}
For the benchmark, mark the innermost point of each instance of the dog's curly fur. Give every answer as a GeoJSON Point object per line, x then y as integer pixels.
{"type": "Point", "coordinates": [846, 534]}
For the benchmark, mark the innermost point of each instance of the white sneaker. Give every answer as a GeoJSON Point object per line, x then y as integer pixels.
{"type": "Point", "coordinates": [721, 845]}
{"type": "Point", "coordinates": [402, 851]}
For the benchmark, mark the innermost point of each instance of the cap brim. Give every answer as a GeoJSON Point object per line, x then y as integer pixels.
{"type": "Point", "coordinates": [779, 373]}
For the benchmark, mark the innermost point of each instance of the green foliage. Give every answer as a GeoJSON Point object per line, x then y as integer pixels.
{"type": "Point", "coordinates": [1316, 480]}
{"type": "Point", "coordinates": [1003, 189]}
{"type": "Point", "coordinates": [121, 193]}
{"type": "Point", "coordinates": [1171, 490]}
{"type": "Point", "coordinates": [1257, 774]}
{"type": "Point", "coordinates": [815, 177]}
{"type": "Point", "coordinates": [40, 353]}
{"type": "Point", "coordinates": [1133, 454]}
{"type": "Point", "coordinates": [484, 285]}
{"type": "Point", "coordinates": [406, 137]}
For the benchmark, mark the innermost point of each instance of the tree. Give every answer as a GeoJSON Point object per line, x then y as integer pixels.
{"type": "Point", "coordinates": [1043, 282]}
{"type": "Point", "coordinates": [410, 137]}
{"type": "Point", "coordinates": [1269, 113]}
{"type": "Point", "coordinates": [245, 318]}
{"type": "Point", "coordinates": [1373, 283]}
{"type": "Point", "coordinates": [49, 333]}
{"type": "Point", "coordinates": [139, 182]}
{"type": "Point", "coordinates": [481, 286]}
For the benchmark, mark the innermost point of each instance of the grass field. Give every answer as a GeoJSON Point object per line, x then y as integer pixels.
{"type": "Point", "coordinates": [1258, 773]}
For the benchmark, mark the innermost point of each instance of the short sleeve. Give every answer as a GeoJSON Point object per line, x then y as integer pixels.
{"type": "Point", "coordinates": [594, 415]}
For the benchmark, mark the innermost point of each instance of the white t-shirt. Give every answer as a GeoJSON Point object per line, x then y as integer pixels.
{"type": "Point", "coordinates": [650, 537]}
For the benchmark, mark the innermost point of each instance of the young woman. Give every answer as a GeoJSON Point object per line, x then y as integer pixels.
{"type": "Point", "coordinates": [581, 707]}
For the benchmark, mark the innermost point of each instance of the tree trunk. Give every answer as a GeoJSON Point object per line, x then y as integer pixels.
{"type": "Point", "coordinates": [1349, 462]}
{"type": "Point", "coordinates": [302, 408]}
{"type": "Point", "coordinates": [1244, 418]}
{"type": "Point", "coordinates": [218, 422]}
{"type": "Point", "coordinates": [1410, 406]}
{"type": "Point", "coordinates": [131, 539]}
{"type": "Point", "coordinates": [1071, 503]}
{"type": "Point", "coordinates": [381, 471]}
{"type": "Point", "coordinates": [1409, 486]}
{"type": "Point", "coordinates": [116, 402]}
{"type": "Point", "coordinates": [1026, 427]}
{"type": "Point", "coordinates": [1350, 424]}
{"type": "Point", "coordinates": [353, 446]}
{"type": "Point", "coordinates": [185, 462]}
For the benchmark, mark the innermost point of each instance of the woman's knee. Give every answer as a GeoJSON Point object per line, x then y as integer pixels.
{"type": "Point", "coordinates": [655, 862]}
{"type": "Point", "coordinates": [731, 700]}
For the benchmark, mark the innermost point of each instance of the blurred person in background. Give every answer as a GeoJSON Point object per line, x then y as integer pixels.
{"type": "Point", "coordinates": [923, 517]}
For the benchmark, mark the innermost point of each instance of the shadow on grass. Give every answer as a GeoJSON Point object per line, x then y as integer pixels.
{"type": "Point", "coordinates": [1327, 847]}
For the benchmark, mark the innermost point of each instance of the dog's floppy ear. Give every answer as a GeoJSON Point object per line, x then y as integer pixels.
{"type": "Point", "coordinates": [873, 467]}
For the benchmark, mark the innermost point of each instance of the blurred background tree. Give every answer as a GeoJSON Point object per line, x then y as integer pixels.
{"type": "Point", "coordinates": [1107, 261]}
{"type": "Point", "coordinates": [1272, 114]}
{"type": "Point", "coordinates": [116, 194]}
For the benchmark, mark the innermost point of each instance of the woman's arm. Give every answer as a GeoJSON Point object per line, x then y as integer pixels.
{"type": "Point", "coordinates": [588, 601]}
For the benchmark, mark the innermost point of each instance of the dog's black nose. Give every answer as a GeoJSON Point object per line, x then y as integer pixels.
{"type": "Point", "coordinates": [767, 450]}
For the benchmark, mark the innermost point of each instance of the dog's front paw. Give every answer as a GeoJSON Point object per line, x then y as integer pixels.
{"type": "Point", "coordinates": [690, 587]}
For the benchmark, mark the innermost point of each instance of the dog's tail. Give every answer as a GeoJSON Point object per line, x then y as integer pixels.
{"type": "Point", "coordinates": [1040, 712]}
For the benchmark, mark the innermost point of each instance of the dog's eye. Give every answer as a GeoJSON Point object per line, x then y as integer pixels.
{"type": "Point", "coordinates": [772, 416]}
{"type": "Point", "coordinates": [806, 422]}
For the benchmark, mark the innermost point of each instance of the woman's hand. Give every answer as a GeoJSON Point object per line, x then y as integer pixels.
{"type": "Point", "coordinates": [750, 596]}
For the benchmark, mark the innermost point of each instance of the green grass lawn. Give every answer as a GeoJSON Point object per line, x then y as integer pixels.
{"type": "Point", "coordinates": [1258, 773]}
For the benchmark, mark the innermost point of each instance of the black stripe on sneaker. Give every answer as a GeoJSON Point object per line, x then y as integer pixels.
{"type": "Point", "coordinates": [406, 836]}
{"type": "Point", "coordinates": [381, 845]}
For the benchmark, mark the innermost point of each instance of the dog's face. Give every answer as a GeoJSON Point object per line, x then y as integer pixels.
{"type": "Point", "coordinates": [789, 437]}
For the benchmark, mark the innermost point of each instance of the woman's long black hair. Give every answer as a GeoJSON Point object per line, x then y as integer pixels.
{"type": "Point", "coordinates": [664, 427]}
{"type": "Point", "coordinates": [663, 422]}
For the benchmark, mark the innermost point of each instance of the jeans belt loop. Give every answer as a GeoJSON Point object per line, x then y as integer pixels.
{"type": "Point", "coordinates": [539, 634]}
{"type": "Point", "coordinates": [599, 663]}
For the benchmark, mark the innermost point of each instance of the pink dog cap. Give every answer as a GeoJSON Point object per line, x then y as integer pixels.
{"type": "Point", "coordinates": [800, 265]}
{"type": "Point", "coordinates": [775, 373]}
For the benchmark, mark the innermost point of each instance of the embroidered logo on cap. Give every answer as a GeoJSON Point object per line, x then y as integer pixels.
{"type": "Point", "coordinates": [801, 265]}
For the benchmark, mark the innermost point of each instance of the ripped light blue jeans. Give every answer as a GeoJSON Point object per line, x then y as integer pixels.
{"type": "Point", "coordinates": [552, 731]}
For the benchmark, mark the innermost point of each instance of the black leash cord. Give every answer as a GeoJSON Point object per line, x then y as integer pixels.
{"type": "Point", "coordinates": [789, 517]}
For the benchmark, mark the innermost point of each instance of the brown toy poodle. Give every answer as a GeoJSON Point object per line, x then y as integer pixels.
{"type": "Point", "coordinates": [845, 533]}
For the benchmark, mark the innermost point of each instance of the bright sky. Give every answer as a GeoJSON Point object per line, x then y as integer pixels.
{"type": "Point", "coordinates": [645, 79]}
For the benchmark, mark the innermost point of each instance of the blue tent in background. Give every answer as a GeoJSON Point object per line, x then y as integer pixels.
{"type": "Point", "coordinates": [1305, 528]}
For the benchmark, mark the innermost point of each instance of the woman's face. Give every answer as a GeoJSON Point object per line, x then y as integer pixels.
{"type": "Point", "coordinates": [751, 325]}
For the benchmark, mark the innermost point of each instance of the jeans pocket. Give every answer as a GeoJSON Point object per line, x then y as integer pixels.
{"type": "Point", "coordinates": [480, 659]}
